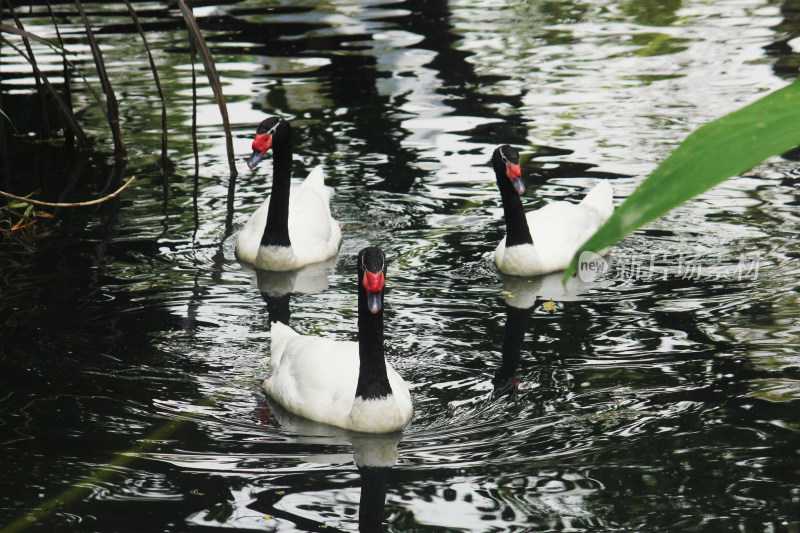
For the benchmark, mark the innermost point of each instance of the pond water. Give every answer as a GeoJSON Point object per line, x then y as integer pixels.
{"type": "Point", "coordinates": [661, 397]}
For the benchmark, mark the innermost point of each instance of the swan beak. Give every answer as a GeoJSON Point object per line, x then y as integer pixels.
{"type": "Point", "coordinates": [261, 144]}
{"type": "Point", "coordinates": [374, 302]}
{"type": "Point", "coordinates": [374, 283]}
{"type": "Point", "coordinates": [514, 173]}
{"type": "Point", "coordinates": [255, 159]}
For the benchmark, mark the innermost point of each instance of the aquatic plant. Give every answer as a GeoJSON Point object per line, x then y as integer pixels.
{"type": "Point", "coordinates": [109, 107]}
{"type": "Point", "coordinates": [19, 222]}
{"type": "Point", "coordinates": [718, 150]}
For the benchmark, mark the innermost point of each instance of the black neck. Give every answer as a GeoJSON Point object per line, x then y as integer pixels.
{"type": "Point", "coordinates": [517, 231]}
{"type": "Point", "coordinates": [277, 307]}
{"type": "Point", "coordinates": [372, 379]}
{"type": "Point", "coordinates": [514, 334]}
{"type": "Point", "coordinates": [276, 231]}
{"type": "Point", "coordinates": [374, 480]}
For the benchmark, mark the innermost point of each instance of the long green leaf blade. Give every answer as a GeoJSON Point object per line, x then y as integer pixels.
{"type": "Point", "coordinates": [718, 150]}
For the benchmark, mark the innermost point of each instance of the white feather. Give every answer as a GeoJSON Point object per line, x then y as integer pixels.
{"type": "Point", "coordinates": [314, 234]}
{"type": "Point", "coordinates": [316, 378]}
{"type": "Point", "coordinates": [558, 230]}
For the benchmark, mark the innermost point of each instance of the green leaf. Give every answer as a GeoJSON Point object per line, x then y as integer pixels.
{"type": "Point", "coordinates": [9, 120]}
{"type": "Point", "coordinates": [718, 150]}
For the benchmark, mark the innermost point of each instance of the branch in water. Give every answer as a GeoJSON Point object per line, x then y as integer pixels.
{"type": "Point", "coordinates": [75, 204]}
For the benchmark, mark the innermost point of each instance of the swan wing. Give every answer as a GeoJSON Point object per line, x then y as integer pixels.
{"type": "Point", "coordinates": [248, 241]}
{"type": "Point", "coordinates": [600, 200]}
{"type": "Point", "coordinates": [316, 180]}
{"type": "Point", "coordinates": [558, 229]}
{"type": "Point", "coordinates": [400, 392]}
{"type": "Point", "coordinates": [280, 335]}
{"type": "Point", "coordinates": [316, 378]}
{"type": "Point", "coordinates": [315, 235]}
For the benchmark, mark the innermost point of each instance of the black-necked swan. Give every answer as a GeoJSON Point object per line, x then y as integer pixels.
{"type": "Point", "coordinates": [288, 231]}
{"type": "Point", "coordinates": [543, 240]}
{"type": "Point", "coordinates": [344, 384]}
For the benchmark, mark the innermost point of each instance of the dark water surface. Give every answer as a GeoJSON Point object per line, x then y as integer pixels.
{"type": "Point", "coordinates": [664, 397]}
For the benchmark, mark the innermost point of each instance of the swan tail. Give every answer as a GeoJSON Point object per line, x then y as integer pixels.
{"type": "Point", "coordinates": [281, 335]}
{"type": "Point", "coordinates": [600, 199]}
{"type": "Point", "coordinates": [316, 180]}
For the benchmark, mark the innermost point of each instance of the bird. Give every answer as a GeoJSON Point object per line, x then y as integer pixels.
{"type": "Point", "coordinates": [288, 231]}
{"type": "Point", "coordinates": [344, 384]}
{"type": "Point", "coordinates": [544, 240]}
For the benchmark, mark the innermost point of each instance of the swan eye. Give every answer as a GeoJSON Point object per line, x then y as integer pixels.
{"type": "Point", "coordinates": [262, 142]}
{"type": "Point", "coordinates": [374, 282]}
{"type": "Point", "coordinates": [513, 171]}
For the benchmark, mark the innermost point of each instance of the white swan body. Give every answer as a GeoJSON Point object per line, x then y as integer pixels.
{"type": "Point", "coordinates": [316, 378]}
{"type": "Point", "coordinates": [315, 236]}
{"type": "Point", "coordinates": [558, 230]}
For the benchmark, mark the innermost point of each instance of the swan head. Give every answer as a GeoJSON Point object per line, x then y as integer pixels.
{"type": "Point", "coordinates": [505, 162]}
{"type": "Point", "coordinates": [372, 276]}
{"type": "Point", "coordinates": [266, 133]}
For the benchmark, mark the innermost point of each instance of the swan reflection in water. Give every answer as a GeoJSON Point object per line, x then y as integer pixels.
{"type": "Point", "coordinates": [374, 455]}
{"type": "Point", "coordinates": [276, 288]}
{"type": "Point", "coordinates": [521, 294]}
